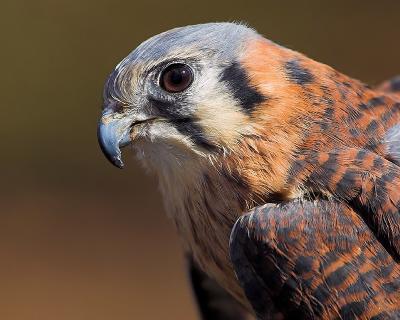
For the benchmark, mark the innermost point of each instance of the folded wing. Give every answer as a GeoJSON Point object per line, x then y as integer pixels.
{"type": "Point", "coordinates": [314, 260]}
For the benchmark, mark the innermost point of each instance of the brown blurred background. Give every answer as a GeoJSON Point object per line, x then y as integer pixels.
{"type": "Point", "coordinates": [80, 239]}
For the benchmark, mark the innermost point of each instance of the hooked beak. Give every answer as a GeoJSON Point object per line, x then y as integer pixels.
{"type": "Point", "coordinates": [114, 133]}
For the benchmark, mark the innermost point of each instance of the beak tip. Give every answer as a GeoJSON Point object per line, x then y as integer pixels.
{"type": "Point", "coordinates": [118, 163]}
{"type": "Point", "coordinates": [109, 143]}
{"type": "Point", "coordinates": [115, 159]}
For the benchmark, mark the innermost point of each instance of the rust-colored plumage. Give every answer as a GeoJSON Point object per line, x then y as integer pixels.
{"type": "Point", "coordinates": [312, 154]}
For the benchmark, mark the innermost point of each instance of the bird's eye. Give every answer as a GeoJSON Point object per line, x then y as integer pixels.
{"type": "Point", "coordinates": [176, 78]}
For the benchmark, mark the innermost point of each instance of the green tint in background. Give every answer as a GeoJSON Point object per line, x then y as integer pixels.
{"type": "Point", "coordinates": [80, 239]}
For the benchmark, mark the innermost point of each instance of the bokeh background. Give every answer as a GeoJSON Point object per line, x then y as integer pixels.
{"type": "Point", "coordinates": [80, 239]}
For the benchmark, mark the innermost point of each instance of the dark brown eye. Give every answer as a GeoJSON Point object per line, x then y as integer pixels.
{"type": "Point", "coordinates": [176, 77]}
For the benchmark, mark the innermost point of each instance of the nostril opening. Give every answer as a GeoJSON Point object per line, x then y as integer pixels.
{"type": "Point", "coordinates": [115, 106]}
{"type": "Point", "coordinates": [118, 108]}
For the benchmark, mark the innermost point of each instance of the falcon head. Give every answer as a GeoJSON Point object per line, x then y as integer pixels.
{"type": "Point", "coordinates": [217, 97]}
{"type": "Point", "coordinates": [182, 93]}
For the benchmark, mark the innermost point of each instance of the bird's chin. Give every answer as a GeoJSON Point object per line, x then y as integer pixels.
{"type": "Point", "coordinates": [158, 144]}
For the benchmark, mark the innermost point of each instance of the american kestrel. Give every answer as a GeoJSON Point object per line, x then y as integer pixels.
{"type": "Point", "coordinates": [280, 174]}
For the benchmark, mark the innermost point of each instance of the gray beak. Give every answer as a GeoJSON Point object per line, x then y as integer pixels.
{"type": "Point", "coordinates": [113, 134]}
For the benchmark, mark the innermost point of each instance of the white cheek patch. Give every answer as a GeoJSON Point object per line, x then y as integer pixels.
{"type": "Point", "coordinates": [392, 140]}
{"type": "Point", "coordinates": [217, 112]}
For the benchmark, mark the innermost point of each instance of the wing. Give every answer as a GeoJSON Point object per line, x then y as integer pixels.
{"type": "Point", "coordinates": [314, 260]}
{"type": "Point", "coordinates": [213, 301]}
{"type": "Point", "coordinates": [369, 183]}
{"type": "Point", "coordinates": [356, 158]}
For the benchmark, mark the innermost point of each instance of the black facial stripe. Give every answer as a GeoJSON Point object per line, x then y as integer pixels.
{"type": "Point", "coordinates": [169, 109]}
{"type": "Point", "coordinates": [188, 128]}
{"type": "Point", "coordinates": [181, 118]}
{"type": "Point", "coordinates": [297, 73]}
{"type": "Point", "coordinates": [239, 84]}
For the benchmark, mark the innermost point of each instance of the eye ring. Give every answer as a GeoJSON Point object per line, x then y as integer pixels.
{"type": "Point", "coordinates": [177, 77]}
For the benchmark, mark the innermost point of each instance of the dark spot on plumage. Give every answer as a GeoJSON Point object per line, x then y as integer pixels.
{"type": "Point", "coordinates": [377, 101]}
{"type": "Point", "coordinates": [353, 310]}
{"type": "Point", "coordinates": [378, 163]}
{"type": "Point", "coordinates": [360, 94]}
{"type": "Point", "coordinates": [303, 264]}
{"type": "Point", "coordinates": [363, 106]}
{"type": "Point", "coordinates": [329, 112]}
{"type": "Point", "coordinates": [361, 155]}
{"type": "Point", "coordinates": [296, 168]}
{"type": "Point", "coordinates": [389, 176]}
{"type": "Point", "coordinates": [360, 284]}
{"type": "Point", "coordinates": [343, 90]}
{"type": "Point", "coordinates": [347, 84]}
{"type": "Point", "coordinates": [387, 116]}
{"type": "Point", "coordinates": [328, 259]}
{"type": "Point", "coordinates": [329, 169]}
{"type": "Point", "coordinates": [386, 271]}
{"type": "Point", "coordinates": [285, 233]}
{"type": "Point", "coordinates": [373, 144]}
{"type": "Point", "coordinates": [391, 287]}
{"type": "Point", "coordinates": [328, 100]}
{"type": "Point", "coordinates": [354, 132]}
{"type": "Point", "coordinates": [297, 73]}
{"type": "Point", "coordinates": [372, 126]}
{"type": "Point", "coordinates": [338, 276]}
{"type": "Point", "coordinates": [395, 84]}
{"type": "Point", "coordinates": [326, 90]}
{"type": "Point", "coordinates": [373, 103]}
{"type": "Point", "coordinates": [317, 145]}
{"type": "Point", "coordinates": [347, 181]}
{"type": "Point", "coordinates": [322, 293]}
{"type": "Point", "coordinates": [238, 82]}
